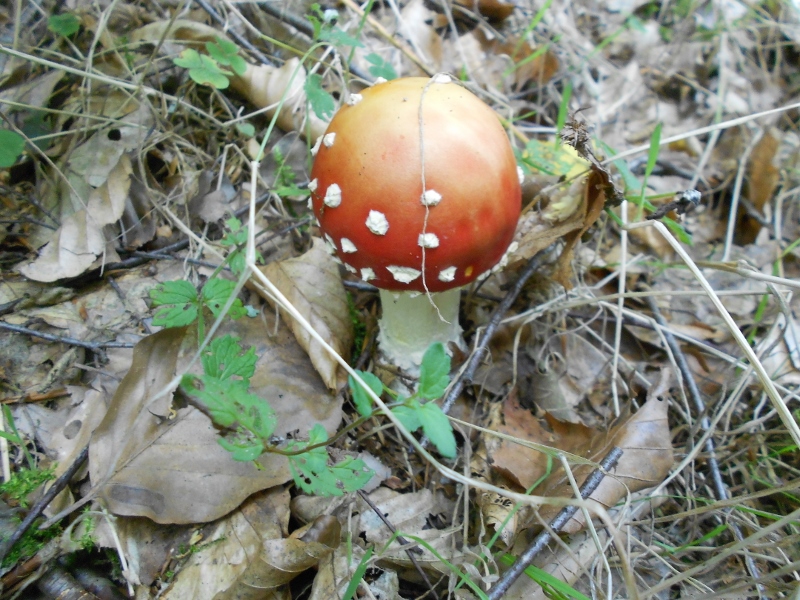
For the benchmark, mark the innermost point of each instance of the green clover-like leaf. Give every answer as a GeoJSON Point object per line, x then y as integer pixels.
{"type": "Point", "coordinates": [408, 414]}
{"type": "Point", "coordinates": [322, 103]}
{"type": "Point", "coordinates": [203, 69]}
{"type": "Point", "coordinates": [380, 67]}
{"type": "Point", "coordinates": [65, 24]}
{"type": "Point", "coordinates": [313, 474]}
{"type": "Point", "coordinates": [216, 293]}
{"type": "Point", "coordinates": [226, 53]}
{"type": "Point", "coordinates": [229, 402]}
{"type": "Point", "coordinates": [224, 357]}
{"type": "Point", "coordinates": [437, 427]}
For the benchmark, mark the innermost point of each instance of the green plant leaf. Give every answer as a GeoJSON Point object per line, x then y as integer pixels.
{"type": "Point", "coordinates": [246, 129]}
{"type": "Point", "coordinates": [236, 238]}
{"type": "Point", "coordinates": [11, 146]}
{"type": "Point", "coordinates": [434, 372]}
{"type": "Point", "coordinates": [338, 37]}
{"type": "Point", "coordinates": [322, 103]}
{"type": "Point", "coordinates": [226, 53]}
{"type": "Point", "coordinates": [228, 402]}
{"type": "Point", "coordinates": [180, 302]}
{"type": "Point", "coordinates": [216, 293]}
{"type": "Point", "coordinates": [358, 574]}
{"type": "Point", "coordinates": [408, 414]}
{"type": "Point", "coordinates": [203, 69]}
{"type": "Point", "coordinates": [360, 398]}
{"type": "Point", "coordinates": [65, 24]}
{"type": "Point", "coordinates": [380, 68]}
{"type": "Point", "coordinates": [313, 475]}
{"type": "Point", "coordinates": [243, 451]}
{"type": "Point", "coordinates": [437, 427]}
{"type": "Point", "coordinates": [224, 357]}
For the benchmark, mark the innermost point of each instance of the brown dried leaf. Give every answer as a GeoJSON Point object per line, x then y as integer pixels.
{"type": "Point", "coordinates": [409, 513]}
{"type": "Point", "coordinates": [265, 85]}
{"type": "Point", "coordinates": [645, 440]}
{"type": "Point", "coordinates": [231, 559]}
{"type": "Point", "coordinates": [80, 239]}
{"type": "Point", "coordinates": [312, 283]}
{"type": "Point", "coordinates": [172, 470]}
{"type": "Point", "coordinates": [538, 70]}
{"type": "Point", "coordinates": [184, 30]}
{"type": "Point", "coordinates": [763, 179]}
{"type": "Point", "coordinates": [415, 26]}
{"type": "Point", "coordinates": [644, 437]}
{"type": "Point", "coordinates": [595, 202]}
{"type": "Point", "coordinates": [535, 232]}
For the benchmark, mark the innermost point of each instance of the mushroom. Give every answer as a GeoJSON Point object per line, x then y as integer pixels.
{"type": "Point", "coordinates": [417, 220]}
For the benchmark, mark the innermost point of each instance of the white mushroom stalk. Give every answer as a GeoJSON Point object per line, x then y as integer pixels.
{"type": "Point", "coordinates": [412, 321]}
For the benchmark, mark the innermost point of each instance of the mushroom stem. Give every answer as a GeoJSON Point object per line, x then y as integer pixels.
{"type": "Point", "coordinates": [410, 324]}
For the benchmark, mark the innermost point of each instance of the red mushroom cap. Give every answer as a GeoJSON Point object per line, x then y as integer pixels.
{"type": "Point", "coordinates": [367, 189]}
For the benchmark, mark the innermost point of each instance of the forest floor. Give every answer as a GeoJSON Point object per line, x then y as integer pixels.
{"type": "Point", "coordinates": [195, 404]}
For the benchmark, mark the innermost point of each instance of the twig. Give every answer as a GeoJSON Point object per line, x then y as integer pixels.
{"type": "Point", "coordinates": [561, 519]}
{"type": "Point", "coordinates": [720, 489]}
{"type": "Point", "coordinates": [38, 508]}
{"type": "Point", "coordinates": [400, 539]}
{"type": "Point", "coordinates": [500, 310]}
{"type": "Point", "coordinates": [93, 346]}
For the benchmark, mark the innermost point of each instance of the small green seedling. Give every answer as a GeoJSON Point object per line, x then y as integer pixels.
{"type": "Point", "coordinates": [325, 29]}
{"type": "Point", "coordinates": [65, 25]}
{"type": "Point", "coordinates": [211, 69]}
{"type": "Point", "coordinates": [226, 54]}
{"type": "Point", "coordinates": [203, 69]}
{"type": "Point", "coordinates": [247, 421]}
{"type": "Point", "coordinates": [418, 410]}
{"type": "Point", "coordinates": [11, 146]}
{"type": "Point", "coordinates": [379, 67]}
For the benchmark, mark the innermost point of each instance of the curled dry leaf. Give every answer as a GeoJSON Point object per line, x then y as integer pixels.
{"type": "Point", "coordinates": [644, 437]}
{"type": "Point", "coordinates": [312, 284]}
{"type": "Point", "coordinates": [149, 458]}
{"type": "Point", "coordinates": [265, 86]}
{"type": "Point", "coordinates": [80, 240]}
{"type": "Point", "coordinates": [231, 557]}
{"type": "Point", "coordinates": [645, 440]}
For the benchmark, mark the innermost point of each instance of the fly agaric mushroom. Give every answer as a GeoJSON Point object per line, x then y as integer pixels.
{"type": "Point", "coordinates": [419, 220]}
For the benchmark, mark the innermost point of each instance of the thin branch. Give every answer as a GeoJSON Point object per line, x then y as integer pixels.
{"type": "Point", "coordinates": [93, 346]}
{"type": "Point", "coordinates": [37, 510]}
{"type": "Point", "coordinates": [558, 522]}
